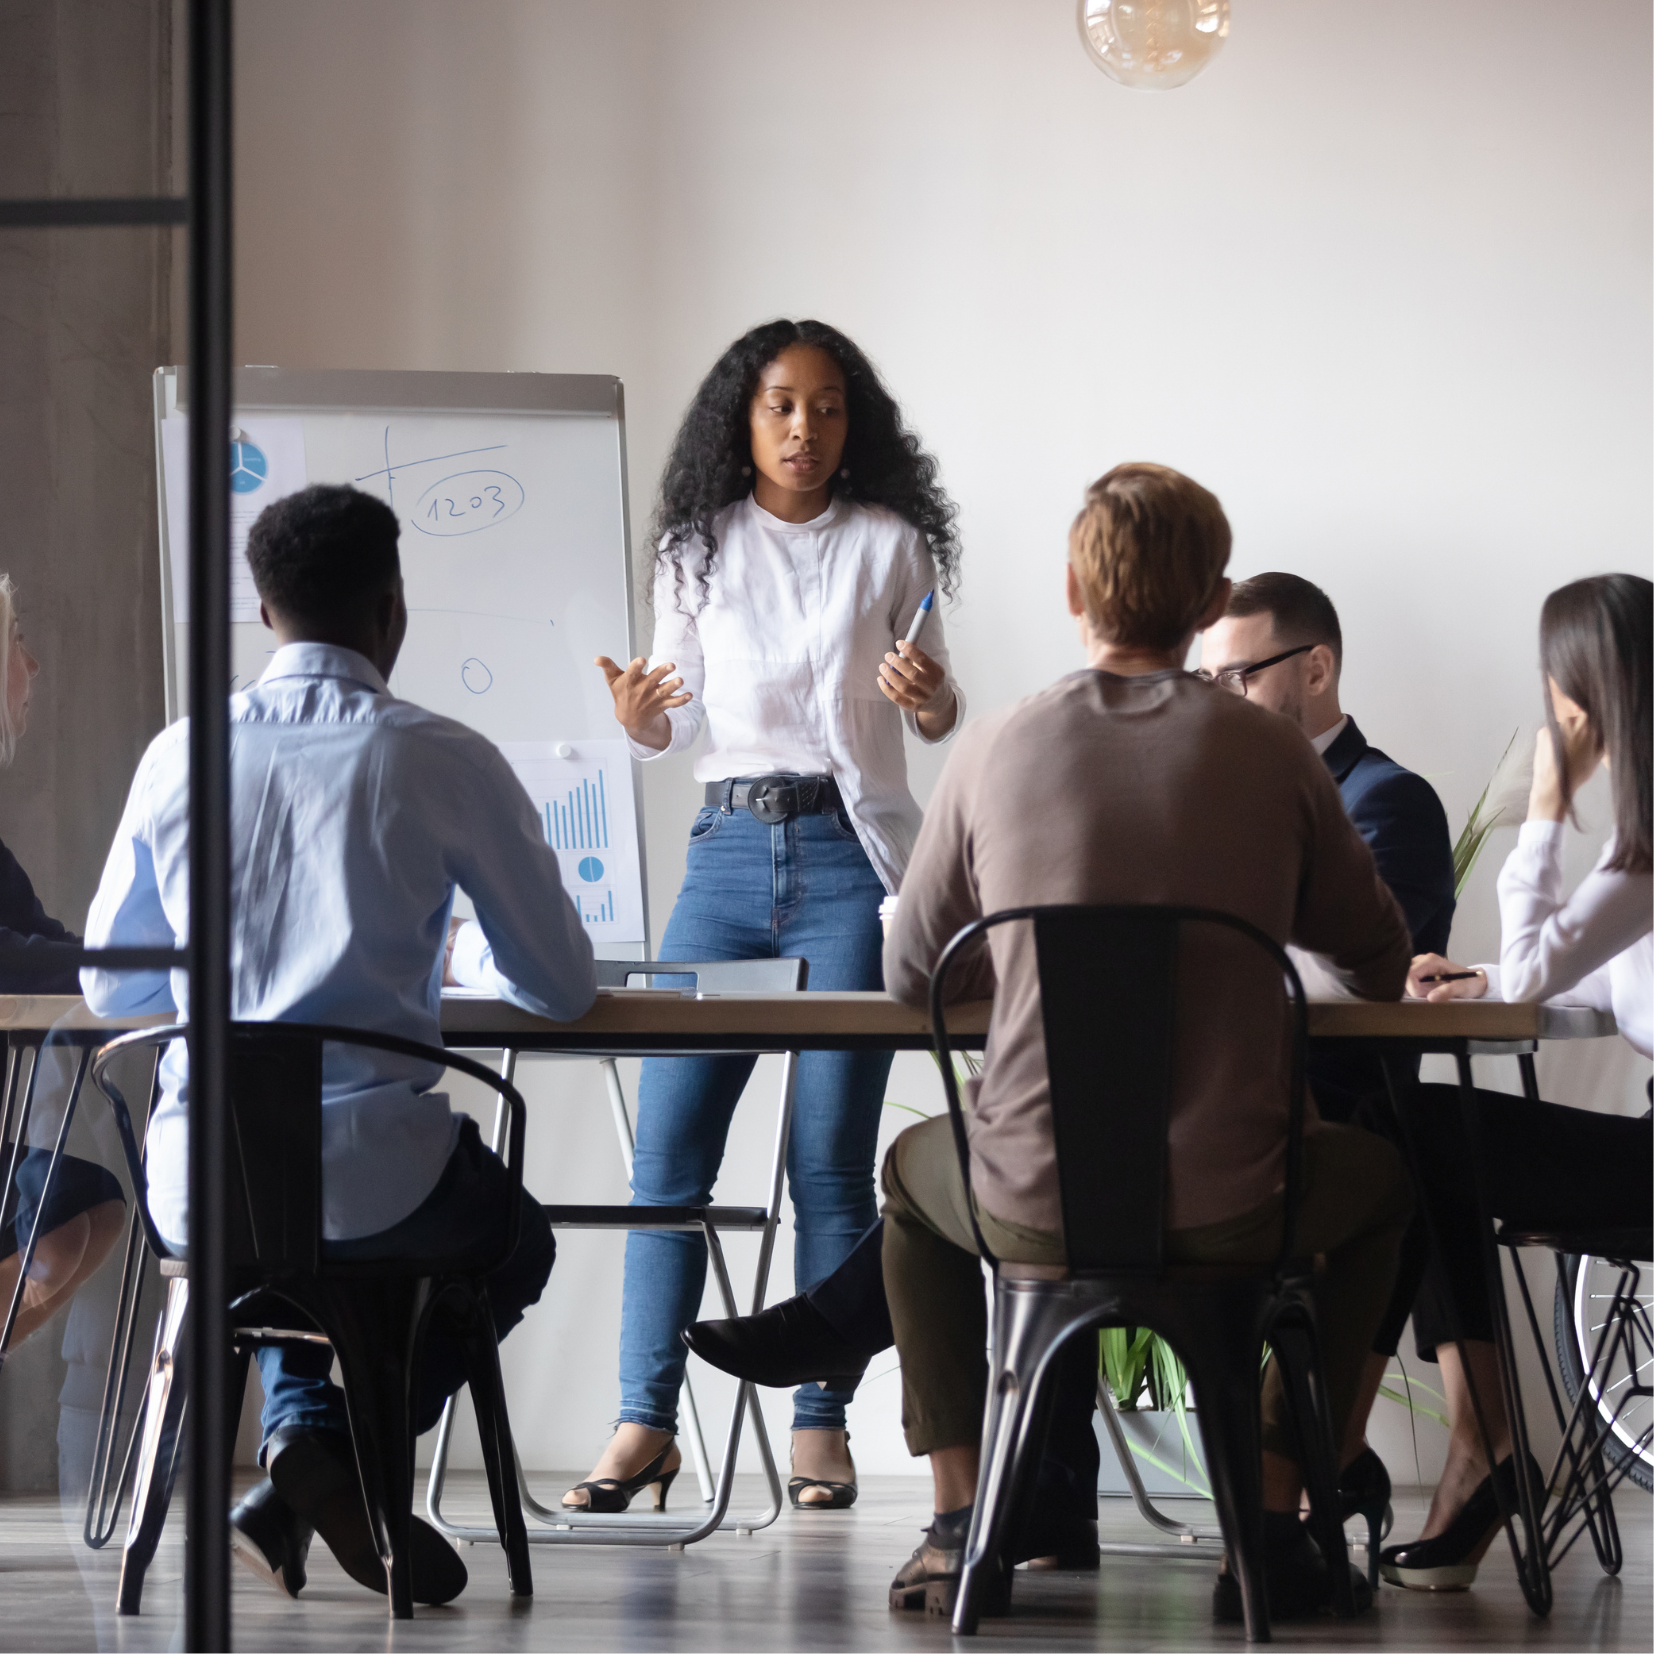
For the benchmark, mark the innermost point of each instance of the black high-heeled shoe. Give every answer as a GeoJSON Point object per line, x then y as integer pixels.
{"type": "Point", "coordinates": [1448, 1562]}
{"type": "Point", "coordinates": [842, 1495]}
{"type": "Point", "coordinates": [608, 1494]}
{"type": "Point", "coordinates": [1364, 1490]}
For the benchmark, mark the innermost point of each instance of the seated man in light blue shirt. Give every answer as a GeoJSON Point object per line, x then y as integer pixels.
{"type": "Point", "coordinates": [354, 819]}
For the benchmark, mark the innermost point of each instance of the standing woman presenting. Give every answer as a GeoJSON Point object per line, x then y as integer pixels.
{"type": "Point", "coordinates": [800, 528]}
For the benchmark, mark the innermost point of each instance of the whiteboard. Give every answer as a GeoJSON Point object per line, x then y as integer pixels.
{"type": "Point", "coordinates": [516, 557]}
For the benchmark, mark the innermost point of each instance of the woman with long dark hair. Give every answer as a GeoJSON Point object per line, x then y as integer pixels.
{"type": "Point", "coordinates": [1546, 1167]}
{"type": "Point", "coordinates": [801, 532]}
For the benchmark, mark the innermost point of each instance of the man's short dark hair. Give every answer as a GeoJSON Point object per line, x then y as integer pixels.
{"type": "Point", "coordinates": [1299, 612]}
{"type": "Point", "coordinates": [324, 555]}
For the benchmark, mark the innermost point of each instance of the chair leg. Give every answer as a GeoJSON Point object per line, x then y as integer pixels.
{"type": "Point", "coordinates": [1218, 1340]}
{"type": "Point", "coordinates": [487, 1386]}
{"type": "Point", "coordinates": [1028, 1326]}
{"type": "Point", "coordinates": [163, 1440]}
{"type": "Point", "coordinates": [1292, 1336]}
{"type": "Point", "coordinates": [374, 1333]}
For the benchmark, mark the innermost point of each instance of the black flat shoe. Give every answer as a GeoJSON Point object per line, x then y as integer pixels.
{"type": "Point", "coordinates": [608, 1495]}
{"type": "Point", "coordinates": [269, 1539]}
{"type": "Point", "coordinates": [314, 1471]}
{"type": "Point", "coordinates": [1364, 1491]}
{"type": "Point", "coordinates": [789, 1343]}
{"type": "Point", "coordinates": [1448, 1562]}
{"type": "Point", "coordinates": [1297, 1580]}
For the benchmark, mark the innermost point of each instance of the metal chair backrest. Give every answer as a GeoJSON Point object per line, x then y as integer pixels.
{"type": "Point", "coordinates": [709, 976]}
{"type": "Point", "coordinates": [1108, 990]}
{"type": "Point", "coordinates": [274, 1201]}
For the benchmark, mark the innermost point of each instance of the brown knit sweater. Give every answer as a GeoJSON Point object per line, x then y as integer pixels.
{"type": "Point", "coordinates": [1147, 789]}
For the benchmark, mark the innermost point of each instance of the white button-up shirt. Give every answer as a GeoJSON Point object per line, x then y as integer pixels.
{"type": "Point", "coordinates": [782, 658]}
{"type": "Point", "coordinates": [353, 818]}
{"type": "Point", "coordinates": [1596, 947]}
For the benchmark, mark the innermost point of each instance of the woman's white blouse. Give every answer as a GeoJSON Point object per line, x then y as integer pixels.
{"type": "Point", "coordinates": [782, 658]}
{"type": "Point", "coordinates": [1595, 948]}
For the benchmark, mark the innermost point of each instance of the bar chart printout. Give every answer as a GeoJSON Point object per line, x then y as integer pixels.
{"type": "Point", "coordinates": [582, 794]}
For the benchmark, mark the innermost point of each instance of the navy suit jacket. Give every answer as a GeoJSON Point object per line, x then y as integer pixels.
{"type": "Point", "coordinates": [1402, 820]}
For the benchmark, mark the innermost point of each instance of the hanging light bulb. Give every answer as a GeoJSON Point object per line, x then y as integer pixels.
{"type": "Point", "coordinates": [1153, 45]}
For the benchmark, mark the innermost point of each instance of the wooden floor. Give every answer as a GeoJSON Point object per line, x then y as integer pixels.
{"type": "Point", "coordinates": [808, 1582]}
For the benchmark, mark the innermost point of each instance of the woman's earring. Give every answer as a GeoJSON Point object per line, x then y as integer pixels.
{"type": "Point", "coordinates": [844, 475]}
{"type": "Point", "coordinates": [746, 470]}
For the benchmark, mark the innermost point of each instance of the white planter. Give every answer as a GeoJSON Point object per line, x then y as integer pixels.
{"type": "Point", "coordinates": [1154, 1436]}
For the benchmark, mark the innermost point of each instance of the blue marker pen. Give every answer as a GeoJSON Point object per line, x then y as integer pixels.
{"type": "Point", "coordinates": [919, 619]}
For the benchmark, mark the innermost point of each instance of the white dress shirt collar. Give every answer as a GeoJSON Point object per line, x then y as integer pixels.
{"type": "Point", "coordinates": [324, 660]}
{"type": "Point", "coordinates": [1327, 736]}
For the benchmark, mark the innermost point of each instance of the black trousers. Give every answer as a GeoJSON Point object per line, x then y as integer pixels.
{"type": "Point", "coordinates": [1544, 1166]}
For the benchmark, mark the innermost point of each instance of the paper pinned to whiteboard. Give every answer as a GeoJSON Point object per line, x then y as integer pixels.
{"type": "Point", "coordinates": [582, 792]}
{"type": "Point", "coordinates": [266, 463]}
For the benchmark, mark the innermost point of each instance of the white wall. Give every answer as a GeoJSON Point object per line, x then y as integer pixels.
{"type": "Point", "coordinates": [1380, 278]}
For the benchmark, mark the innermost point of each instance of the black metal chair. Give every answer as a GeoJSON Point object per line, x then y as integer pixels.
{"type": "Point", "coordinates": [1108, 986]}
{"type": "Point", "coordinates": [375, 1315]}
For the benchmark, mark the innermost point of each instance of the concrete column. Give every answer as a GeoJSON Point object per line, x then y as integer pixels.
{"type": "Point", "coordinates": [86, 91]}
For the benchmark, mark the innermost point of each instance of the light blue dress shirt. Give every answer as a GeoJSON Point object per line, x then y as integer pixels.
{"type": "Point", "coordinates": [354, 817]}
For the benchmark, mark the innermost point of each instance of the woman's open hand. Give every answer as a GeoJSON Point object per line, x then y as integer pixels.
{"type": "Point", "coordinates": [1436, 964]}
{"type": "Point", "coordinates": [642, 697]}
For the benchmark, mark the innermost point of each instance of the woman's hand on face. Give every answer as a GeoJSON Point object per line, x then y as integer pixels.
{"type": "Point", "coordinates": [642, 697]}
{"type": "Point", "coordinates": [1436, 964]}
{"type": "Point", "coordinates": [1580, 757]}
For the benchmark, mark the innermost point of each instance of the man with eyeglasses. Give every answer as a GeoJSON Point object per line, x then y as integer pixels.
{"type": "Point", "coordinates": [1280, 645]}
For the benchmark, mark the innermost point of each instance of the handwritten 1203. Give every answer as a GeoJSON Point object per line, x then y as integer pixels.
{"type": "Point", "coordinates": [467, 503]}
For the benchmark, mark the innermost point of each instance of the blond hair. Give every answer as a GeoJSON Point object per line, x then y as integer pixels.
{"type": "Point", "coordinates": [8, 626]}
{"type": "Point", "coordinates": [1148, 549]}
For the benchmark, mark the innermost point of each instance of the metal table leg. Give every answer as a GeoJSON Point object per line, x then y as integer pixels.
{"type": "Point", "coordinates": [1188, 1533]}
{"type": "Point", "coordinates": [102, 1504]}
{"type": "Point", "coordinates": [646, 1528]}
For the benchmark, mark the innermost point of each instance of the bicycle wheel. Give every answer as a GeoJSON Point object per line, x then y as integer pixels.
{"type": "Point", "coordinates": [1585, 1287]}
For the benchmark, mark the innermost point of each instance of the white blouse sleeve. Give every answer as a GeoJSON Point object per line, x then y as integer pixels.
{"type": "Point", "coordinates": [1557, 950]}
{"type": "Point", "coordinates": [677, 639]}
{"type": "Point", "coordinates": [918, 576]}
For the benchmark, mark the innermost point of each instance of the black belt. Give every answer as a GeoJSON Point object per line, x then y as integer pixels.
{"type": "Point", "coordinates": [776, 798]}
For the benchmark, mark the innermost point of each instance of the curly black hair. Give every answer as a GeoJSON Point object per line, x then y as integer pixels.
{"type": "Point", "coordinates": [710, 465]}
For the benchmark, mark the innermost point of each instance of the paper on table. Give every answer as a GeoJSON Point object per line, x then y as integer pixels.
{"type": "Point", "coordinates": [582, 791]}
{"type": "Point", "coordinates": [266, 463]}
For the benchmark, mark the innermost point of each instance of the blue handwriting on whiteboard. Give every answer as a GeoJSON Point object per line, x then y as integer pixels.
{"type": "Point", "coordinates": [467, 503]}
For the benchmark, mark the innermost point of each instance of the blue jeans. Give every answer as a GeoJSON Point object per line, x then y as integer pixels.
{"type": "Point", "coordinates": [755, 892]}
{"type": "Point", "coordinates": [463, 1210]}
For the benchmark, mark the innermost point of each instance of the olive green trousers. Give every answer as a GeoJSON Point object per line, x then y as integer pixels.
{"type": "Point", "coordinates": [1354, 1209]}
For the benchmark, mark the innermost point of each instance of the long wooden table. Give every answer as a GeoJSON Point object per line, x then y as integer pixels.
{"type": "Point", "coordinates": [637, 1021]}
{"type": "Point", "coordinates": [655, 1022]}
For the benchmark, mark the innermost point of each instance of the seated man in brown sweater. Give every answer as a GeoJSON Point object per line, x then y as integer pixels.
{"type": "Point", "coordinates": [1133, 781]}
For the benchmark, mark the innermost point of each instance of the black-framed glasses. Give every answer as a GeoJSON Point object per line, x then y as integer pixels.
{"type": "Point", "coordinates": [1233, 678]}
